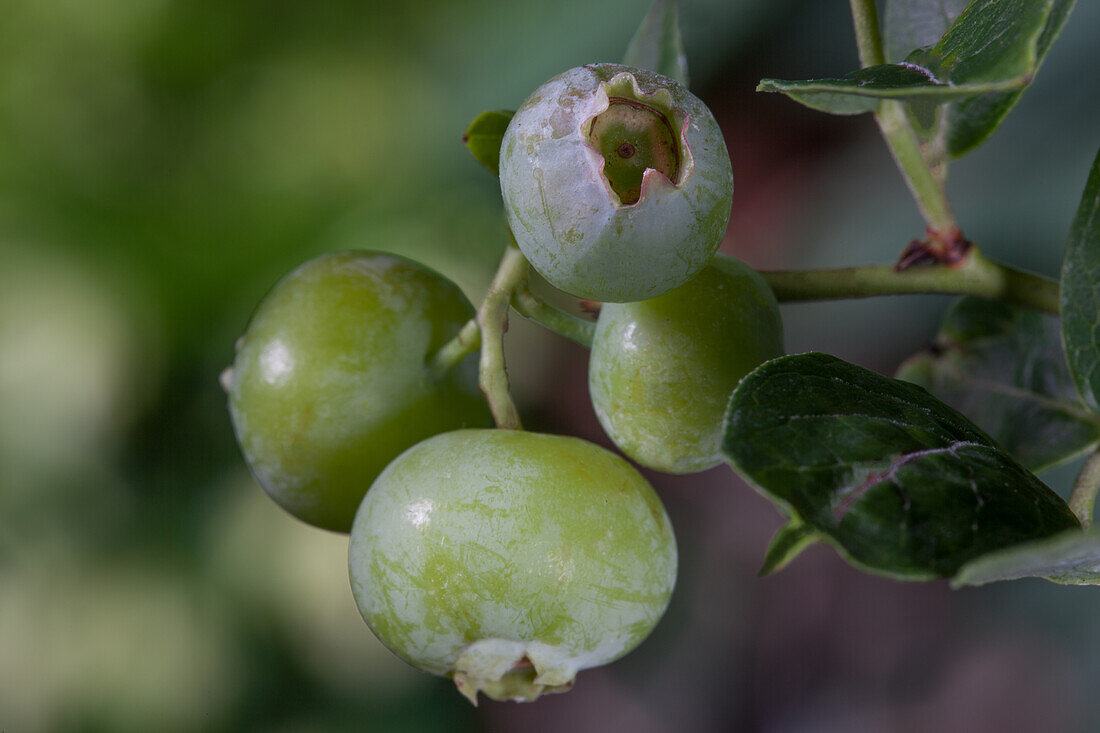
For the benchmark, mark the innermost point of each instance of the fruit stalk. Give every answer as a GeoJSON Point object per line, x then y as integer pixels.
{"type": "Point", "coordinates": [492, 317]}
{"type": "Point", "coordinates": [466, 341]}
{"type": "Point", "coordinates": [533, 308]}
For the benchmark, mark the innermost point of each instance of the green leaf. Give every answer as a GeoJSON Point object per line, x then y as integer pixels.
{"type": "Point", "coordinates": [980, 65]}
{"type": "Point", "coordinates": [967, 124]}
{"type": "Point", "coordinates": [912, 24]}
{"type": "Point", "coordinates": [791, 539]}
{"type": "Point", "coordinates": [1070, 558]}
{"type": "Point", "coordinates": [1002, 366]}
{"type": "Point", "coordinates": [657, 44]}
{"type": "Point", "coordinates": [900, 483]}
{"type": "Point", "coordinates": [993, 40]}
{"type": "Point", "coordinates": [1081, 292]}
{"type": "Point", "coordinates": [861, 90]}
{"type": "Point", "coordinates": [483, 136]}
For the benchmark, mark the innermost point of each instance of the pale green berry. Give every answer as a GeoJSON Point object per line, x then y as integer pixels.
{"type": "Point", "coordinates": [511, 560]}
{"type": "Point", "coordinates": [333, 379]}
{"type": "Point", "coordinates": [616, 182]}
{"type": "Point", "coordinates": [661, 371]}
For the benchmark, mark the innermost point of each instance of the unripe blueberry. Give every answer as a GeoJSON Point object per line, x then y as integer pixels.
{"type": "Point", "coordinates": [616, 182]}
{"type": "Point", "coordinates": [661, 371]}
{"type": "Point", "coordinates": [511, 560]}
{"type": "Point", "coordinates": [333, 380]}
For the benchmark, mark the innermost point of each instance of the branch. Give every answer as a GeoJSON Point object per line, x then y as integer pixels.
{"type": "Point", "coordinates": [975, 276]}
{"type": "Point", "coordinates": [926, 188]}
{"type": "Point", "coordinates": [893, 122]}
{"type": "Point", "coordinates": [868, 37]}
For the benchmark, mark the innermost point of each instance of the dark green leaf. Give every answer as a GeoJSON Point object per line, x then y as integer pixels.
{"type": "Point", "coordinates": [899, 482]}
{"type": "Point", "coordinates": [815, 94]}
{"type": "Point", "coordinates": [1070, 558]}
{"type": "Point", "coordinates": [483, 136]}
{"type": "Point", "coordinates": [1081, 292]}
{"type": "Point", "coordinates": [967, 124]}
{"type": "Point", "coordinates": [1002, 366]}
{"type": "Point", "coordinates": [657, 44]}
{"type": "Point", "coordinates": [980, 65]}
{"type": "Point", "coordinates": [993, 40]}
{"type": "Point", "coordinates": [791, 539]}
{"type": "Point", "coordinates": [912, 24]}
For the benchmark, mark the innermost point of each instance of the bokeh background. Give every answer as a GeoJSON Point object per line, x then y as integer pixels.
{"type": "Point", "coordinates": [163, 162]}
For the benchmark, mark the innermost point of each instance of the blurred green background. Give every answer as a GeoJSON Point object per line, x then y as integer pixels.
{"type": "Point", "coordinates": [163, 162]}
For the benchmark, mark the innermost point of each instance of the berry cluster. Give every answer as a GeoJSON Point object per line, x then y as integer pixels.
{"type": "Point", "coordinates": [510, 560]}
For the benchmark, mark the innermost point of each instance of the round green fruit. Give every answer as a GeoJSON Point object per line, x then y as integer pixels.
{"type": "Point", "coordinates": [511, 560]}
{"type": "Point", "coordinates": [661, 371]}
{"type": "Point", "coordinates": [616, 182]}
{"type": "Point", "coordinates": [333, 379]}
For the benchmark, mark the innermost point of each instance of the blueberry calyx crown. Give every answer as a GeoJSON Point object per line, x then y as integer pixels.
{"type": "Point", "coordinates": [637, 133]}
